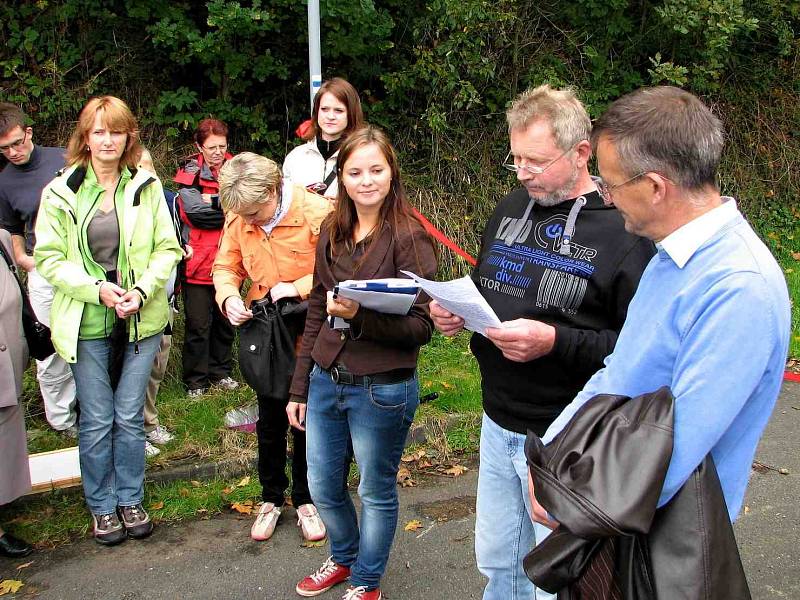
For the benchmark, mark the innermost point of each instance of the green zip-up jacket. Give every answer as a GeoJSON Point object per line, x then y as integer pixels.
{"type": "Point", "coordinates": [148, 252]}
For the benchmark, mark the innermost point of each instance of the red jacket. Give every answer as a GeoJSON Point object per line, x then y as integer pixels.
{"type": "Point", "coordinates": [202, 222]}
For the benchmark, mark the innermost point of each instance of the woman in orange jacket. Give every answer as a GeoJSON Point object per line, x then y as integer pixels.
{"type": "Point", "coordinates": [269, 237]}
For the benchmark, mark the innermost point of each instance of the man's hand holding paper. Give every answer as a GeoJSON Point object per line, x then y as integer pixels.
{"type": "Point", "coordinates": [522, 340]}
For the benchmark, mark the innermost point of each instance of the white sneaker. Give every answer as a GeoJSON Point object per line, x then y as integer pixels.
{"type": "Point", "coordinates": [266, 520]}
{"type": "Point", "coordinates": [227, 383]}
{"type": "Point", "coordinates": [310, 523]}
{"type": "Point", "coordinates": [160, 435]}
{"type": "Point", "coordinates": [150, 450]}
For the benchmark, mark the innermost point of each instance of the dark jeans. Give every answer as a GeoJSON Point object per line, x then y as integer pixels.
{"type": "Point", "coordinates": [208, 337]}
{"type": "Point", "coordinates": [271, 431]}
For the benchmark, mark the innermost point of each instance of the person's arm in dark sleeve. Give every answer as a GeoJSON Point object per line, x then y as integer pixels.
{"type": "Point", "coordinates": [315, 317]}
{"type": "Point", "coordinates": [585, 349]}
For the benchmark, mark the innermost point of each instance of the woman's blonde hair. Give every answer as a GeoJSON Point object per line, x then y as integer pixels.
{"type": "Point", "coordinates": [116, 117]}
{"type": "Point", "coordinates": [247, 179]}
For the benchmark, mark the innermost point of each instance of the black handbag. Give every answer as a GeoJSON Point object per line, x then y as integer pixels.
{"type": "Point", "coordinates": [37, 334]}
{"type": "Point", "coordinates": [267, 345]}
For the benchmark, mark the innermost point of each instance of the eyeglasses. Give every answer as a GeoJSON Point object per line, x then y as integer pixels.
{"type": "Point", "coordinates": [16, 145]}
{"type": "Point", "coordinates": [221, 148]}
{"type": "Point", "coordinates": [533, 170]}
{"type": "Point", "coordinates": [606, 190]}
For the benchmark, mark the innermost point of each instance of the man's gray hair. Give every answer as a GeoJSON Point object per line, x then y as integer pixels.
{"type": "Point", "coordinates": [560, 108]}
{"type": "Point", "coordinates": [247, 179]}
{"type": "Point", "coordinates": [664, 130]}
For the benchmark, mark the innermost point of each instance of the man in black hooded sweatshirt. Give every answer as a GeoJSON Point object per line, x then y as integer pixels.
{"type": "Point", "coordinates": [559, 269]}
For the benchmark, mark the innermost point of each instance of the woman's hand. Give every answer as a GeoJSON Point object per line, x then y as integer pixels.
{"type": "Point", "coordinates": [129, 304]}
{"type": "Point", "coordinates": [110, 294]}
{"type": "Point", "coordinates": [283, 290]}
{"type": "Point", "coordinates": [236, 312]}
{"type": "Point", "coordinates": [342, 307]}
{"type": "Point", "coordinates": [188, 252]}
{"type": "Point", "coordinates": [296, 411]}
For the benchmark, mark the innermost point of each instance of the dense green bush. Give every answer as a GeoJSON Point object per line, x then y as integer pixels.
{"type": "Point", "coordinates": [437, 74]}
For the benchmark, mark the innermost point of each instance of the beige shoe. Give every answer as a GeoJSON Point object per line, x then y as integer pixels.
{"type": "Point", "coordinates": [266, 520]}
{"type": "Point", "coordinates": [310, 523]}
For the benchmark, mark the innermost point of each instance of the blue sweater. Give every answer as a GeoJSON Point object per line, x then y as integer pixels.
{"type": "Point", "coordinates": [716, 331]}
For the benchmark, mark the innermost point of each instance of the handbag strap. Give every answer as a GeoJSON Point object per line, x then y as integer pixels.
{"type": "Point", "coordinates": [443, 239]}
{"type": "Point", "coordinates": [331, 176]}
{"type": "Point", "coordinates": [26, 303]}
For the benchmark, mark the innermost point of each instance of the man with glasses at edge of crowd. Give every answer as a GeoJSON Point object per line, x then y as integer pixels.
{"type": "Point", "coordinates": [559, 269]}
{"type": "Point", "coordinates": [30, 168]}
{"type": "Point", "coordinates": [711, 318]}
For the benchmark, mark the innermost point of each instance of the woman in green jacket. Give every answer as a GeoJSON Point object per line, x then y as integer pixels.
{"type": "Point", "coordinates": [105, 242]}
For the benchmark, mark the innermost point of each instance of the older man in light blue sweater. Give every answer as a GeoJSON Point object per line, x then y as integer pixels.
{"type": "Point", "coordinates": [711, 316]}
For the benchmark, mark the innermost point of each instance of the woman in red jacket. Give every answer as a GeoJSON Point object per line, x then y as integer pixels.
{"type": "Point", "coordinates": [208, 335]}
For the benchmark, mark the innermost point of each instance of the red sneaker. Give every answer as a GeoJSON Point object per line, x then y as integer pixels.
{"type": "Point", "coordinates": [361, 593]}
{"type": "Point", "coordinates": [327, 576]}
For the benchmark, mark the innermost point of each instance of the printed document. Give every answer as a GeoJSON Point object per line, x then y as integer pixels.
{"type": "Point", "coordinates": [461, 298]}
{"type": "Point", "coordinates": [393, 296]}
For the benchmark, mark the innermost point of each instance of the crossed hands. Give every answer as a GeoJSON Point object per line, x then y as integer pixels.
{"type": "Point", "coordinates": [124, 303]}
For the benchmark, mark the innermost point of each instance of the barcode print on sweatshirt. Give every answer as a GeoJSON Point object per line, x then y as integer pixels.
{"type": "Point", "coordinates": [562, 290]}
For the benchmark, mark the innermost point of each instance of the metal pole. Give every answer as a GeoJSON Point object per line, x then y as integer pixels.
{"type": "Point", "coordinates": [314, 53]}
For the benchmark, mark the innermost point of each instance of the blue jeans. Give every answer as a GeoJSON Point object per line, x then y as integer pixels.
{"type": "Point", "coordinates": [111, 437]}
{"type": "Point", "coordinates": [504, 532]}
{"type": "Point", "coordinates": [372, 422]}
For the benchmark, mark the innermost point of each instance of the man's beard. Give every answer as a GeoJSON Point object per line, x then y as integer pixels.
{"type": "Point", "coordinates": [557, 196]}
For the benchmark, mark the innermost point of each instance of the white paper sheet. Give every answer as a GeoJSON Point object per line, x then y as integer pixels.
{"type": "Point", "coordinates": [462, 298]}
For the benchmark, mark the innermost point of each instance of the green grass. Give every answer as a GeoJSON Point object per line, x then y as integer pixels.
{"type": "Point", "coordinates": [447, 366]}
{"type": "Point", "coordinates": [57, 517]}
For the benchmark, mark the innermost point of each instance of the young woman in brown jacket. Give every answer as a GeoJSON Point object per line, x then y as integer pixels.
{"type": "Point", "coordinates": [360, 384]}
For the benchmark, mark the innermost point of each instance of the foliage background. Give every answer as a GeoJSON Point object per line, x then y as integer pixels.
{"type": "Point", "coordinates": [436, 74]}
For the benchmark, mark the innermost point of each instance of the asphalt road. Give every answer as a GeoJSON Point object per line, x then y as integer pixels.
{"type": "Point", "coordinates": [215, 558]}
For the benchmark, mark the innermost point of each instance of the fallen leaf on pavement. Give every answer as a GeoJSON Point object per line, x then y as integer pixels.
{"type": "Point", "coordinates": [746, 509]}
{"type": "Point", "coordinates": [25, 565]}
{"type": "Point", "coordinates": [456, 470]}
{"type": "Point", "coordinates": [9, 586]}
{"type": "Point", "coordinates": [157, 505]}
{"type": "Point", "coordinates": [244, 481]}
{"type": "Point", "coordinates": [413, 456]}
{"type": "Point", "coordinates": [317, 544]}
{"type": "Point", "coordinates": [245, 508]}
{"type": "Point", "coordinates": [404, 478]}
{"type": "Point", "coordinates": [413, 525]}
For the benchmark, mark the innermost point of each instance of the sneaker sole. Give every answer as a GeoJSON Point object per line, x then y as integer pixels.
{"type": "Point", "coordinates": [311, 594]}
{"type": "Point", "coordinates": [109, 540]}
{"type": "Point", "coordinates": [138, 535]}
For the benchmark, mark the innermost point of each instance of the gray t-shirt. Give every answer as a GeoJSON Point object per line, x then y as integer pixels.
{"type": "Point", "coordinates": [103, 237]}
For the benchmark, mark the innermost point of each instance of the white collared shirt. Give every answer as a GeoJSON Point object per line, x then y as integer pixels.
{"type": "Point", "coordinates": [682, 243]}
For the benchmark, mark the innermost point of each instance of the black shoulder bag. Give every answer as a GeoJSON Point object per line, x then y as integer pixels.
{"type": "Point", "coordinates": [40, 346]}
{"type": "Point", "coordinates": [267, 345]}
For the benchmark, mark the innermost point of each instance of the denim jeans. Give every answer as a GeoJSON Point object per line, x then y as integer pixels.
{"type": "Point", "coordinates": [111, 437]}
{"type": "Point", "coordinates": [504, 532]}
{"type": "Point", "coordinates": [372, 422]}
